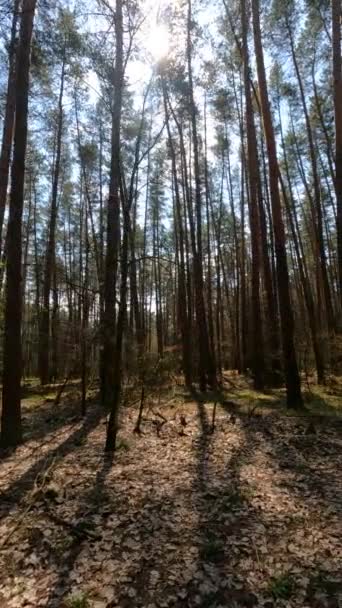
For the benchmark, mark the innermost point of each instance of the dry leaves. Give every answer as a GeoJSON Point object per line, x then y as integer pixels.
{"type": "Point", "coordinates": [241, 517]}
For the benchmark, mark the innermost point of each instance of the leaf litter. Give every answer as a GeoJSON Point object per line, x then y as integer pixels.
{"type": "Point", "coordinates": [247, 515]}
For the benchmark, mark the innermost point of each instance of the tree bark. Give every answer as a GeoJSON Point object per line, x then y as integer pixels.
{"type": "Point", "coordinates": [182, 307]}
{"type": "Point", "coordinates": [11, 429]}
{"type": "Point", "coordinates": [293, 388]}
{"type": "Point", "coordinates": [113, 336]}
{"type": "Point", "coordinates": [258, 363]}
{"type": "Point", "coordinates": [7, 135]}
{"type": "Point", "coordinates": [337, 76]}
{"type": "Point", "coordinates": [110, 390]}
{"type": "Point", "coordinates": [318, 216]}
{"type": "Point", "coordinates": [44, 337]}
{"type": "Point", "coordinates": [207, 372]}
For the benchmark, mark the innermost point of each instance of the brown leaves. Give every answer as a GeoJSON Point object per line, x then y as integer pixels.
{"type": "Point", "coordinates": [203, 520]}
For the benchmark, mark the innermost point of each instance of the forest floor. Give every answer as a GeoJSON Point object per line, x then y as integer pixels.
{"type": "Point", "coordinates": [245, 514]}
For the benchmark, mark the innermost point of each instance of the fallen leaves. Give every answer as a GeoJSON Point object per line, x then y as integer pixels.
{"type": "Point", "coordinates": [205, 520]}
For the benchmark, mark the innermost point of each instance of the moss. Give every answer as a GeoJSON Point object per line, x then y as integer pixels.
{"type": "Point", "coordinates": [281, 587]}
{"type": "Point", "coordinates": [78, 600]}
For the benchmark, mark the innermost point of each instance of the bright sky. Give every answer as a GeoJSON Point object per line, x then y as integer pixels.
{"type": "Point", "coordinates": [153, 40]}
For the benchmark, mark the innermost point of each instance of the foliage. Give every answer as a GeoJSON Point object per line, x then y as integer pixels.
{"type": "Point", "coordinates": [78, 600]}
{"type": "Point", "coordinates": [282, 587]}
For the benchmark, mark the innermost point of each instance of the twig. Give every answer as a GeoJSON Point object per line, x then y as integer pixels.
{"type": "Point", "coordinates": [160, 415]}
{"type": "Point", "coordinates": [74, 528]}
{"type": "Point", "coordinates": [251, 411]}
{"type": "Point", "coordinates": [141, 408]}
{"type": "Point", "coordinates": [214, 417]}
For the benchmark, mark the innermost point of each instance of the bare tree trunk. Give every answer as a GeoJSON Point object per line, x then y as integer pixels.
{"type": "Point", "coordinates": [85, 321]}
{"type": "Point", "coordinates": [318, 219]}
{"type": "Point", "coordinates": [7, 135]}
{"type": "Point", "coordinates": [11, 430]}
{"type": "Point", "coordinates": [293, 388]}
{"type": "Point", "coordinates": [110, 390]}
{"type": "Point", "coordinates": [302, 266]}
{"type": "Point", "coordinates": [337, 75]}
{"type": "Point", "coordinates": [209, 272]}
{"type": "Point", "coordinates": [44, 337]}
{"type": "Point", "coordinates": [182, 307]}
{"type": "Point", "coordinates": [258, 365]}
{"type": "Point", "coordinates": [207, 372]}
{"type": "Point", "coordinates": [113, 336]}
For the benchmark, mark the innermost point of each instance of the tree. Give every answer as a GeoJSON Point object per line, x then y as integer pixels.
{"type": "Point", "coordinates": [258, 365]}
{"type": "Point", "coordinates": [7, 135]}
{"type": "Point", "coordinates": [113, 335]}
{"type": "Point", "coordinates": [207, 372]}
{"type": "Point", "coordinates": [337, 76]}
{"type": "Point", "coordinates": [11, 431]}
{"type": "Point", "coordinates": [294, 398]}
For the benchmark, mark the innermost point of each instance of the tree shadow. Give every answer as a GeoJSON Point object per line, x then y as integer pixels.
{"type": "Point", "coordinates": [222, 508]}
{"type": "Point", "coordinates": [45, 419]}
{"type": "Point", "coordinates": [302, 453]}
{"type": "Point", "coordinates": [21, 486]}
{"type": "Point", "coordinates": [89, 505]}
{"type": "Point", "coordinates": [220, 489]}
{"type": "Point", "coordinates": [192, 540]}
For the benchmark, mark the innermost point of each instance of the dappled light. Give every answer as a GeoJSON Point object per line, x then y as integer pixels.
{"type": "Point", "coordinates": [170, 304]}
{"type": "Point", "coordinates": [233, 515]}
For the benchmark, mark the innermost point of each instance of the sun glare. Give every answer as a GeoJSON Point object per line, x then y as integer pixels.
{"type": "Point", "coordinates": [158, 42]}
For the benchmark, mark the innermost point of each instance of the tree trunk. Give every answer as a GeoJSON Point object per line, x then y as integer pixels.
{"type": "Point", "coordinates": [182, 307]}
{"type": "Point", "coordinates": [207, 372]}
{"type": "Point", "coordinates": [293, 388]}
{"type": "Point", "coordinates": [110, 389]}
{"type": "Point", "coordinates": [258, 364]}
{"type": "Point", "coordinates": [318, 219]}
{"type": "Point", "coordinates": [11, 430]}
{"type": "Point", "coordinates": [302, 266]}
{"type": "Point", "coordinates": [113, 336]}
{"type": "Point", "coordinates": [44, 337]}
{"type": "Point", "coordinates": [337, 75]}
{"type": "Point", "coordinates": [7, 135]}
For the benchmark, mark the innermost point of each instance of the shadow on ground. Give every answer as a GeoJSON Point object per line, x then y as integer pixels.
{"type": "Point", "coordinates": [17, 490]}
{"type": "Point", "coordinates": [234, 516]}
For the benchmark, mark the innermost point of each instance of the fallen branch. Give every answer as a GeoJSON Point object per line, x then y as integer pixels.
{"type": "Point", "coordinates": [141, 408]}
{"type": "Point", "coordinates": [160, 416]}
{"type": "Point", "coordinates": [213, 418]}
{"type": "Point", "coordinates": [74, 528]}
{"type": "Point", "coordinates": [252, 410]}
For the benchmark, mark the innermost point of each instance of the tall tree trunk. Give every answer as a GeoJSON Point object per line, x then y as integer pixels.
{"type": "Point", "coordinates": [113, 336]}
{"type": "Point", "coordinates": [302, 266]}
{"type": "Point", "coordinates": [337, 75]}
{"type": "Point", "coordinates": [44, 337]}
{"type": "Point", "coordinates": [110, 389]}
{"type": "Point", "coordinates": [293, 388]}
{"type": "Point", "coordinates": [11, 430]}
{"type": "Point", "coordinates": [243, 314]}
{"type": "Point", "coordinates": [209, 265]}
{"type": "Point", "coordinates": [207, 372]}
{"type": "Point", "coordinates": [318, 219]}
{"type": "Point", "coordinates": [258, 365]}
{"type": "Point", "coordinates": [269, 278]}
{"type": "Point", "coordinates": [85, 321]}
{"type": "Point", "coordinates": [182, 307]}
{"type": "Point", "coordinates": [7, 135]}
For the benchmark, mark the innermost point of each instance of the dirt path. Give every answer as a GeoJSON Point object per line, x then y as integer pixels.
{"type": "Point", "coordinates": [247, 516]}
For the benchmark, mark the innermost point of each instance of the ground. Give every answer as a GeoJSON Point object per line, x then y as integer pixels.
{"type": "Point", "coordinates": [244, 514]}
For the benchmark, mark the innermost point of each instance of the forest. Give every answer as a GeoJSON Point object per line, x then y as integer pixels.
{"type": "Point", "coordinates": [171, 303]}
